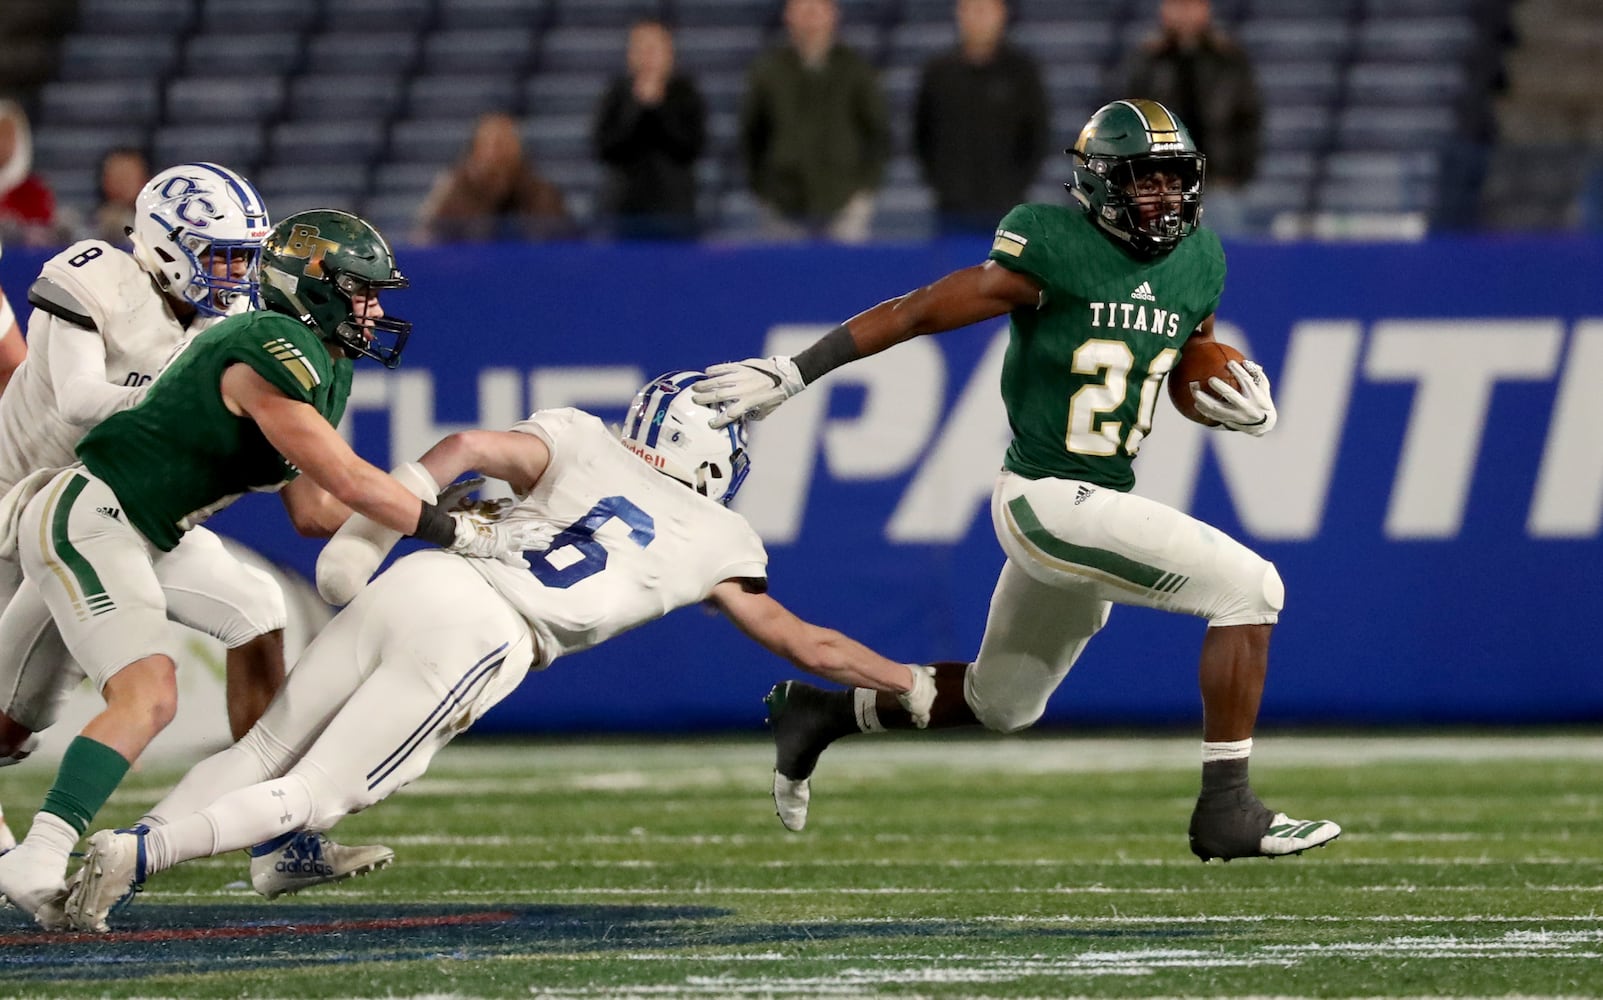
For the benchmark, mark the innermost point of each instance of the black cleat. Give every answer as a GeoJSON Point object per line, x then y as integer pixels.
{"type": "Point", "coordinates": [805, 720]}
{"type": "Point", "coordinates": [1235, 824]}
{"type": "Point", "coordinates": [800, 716]}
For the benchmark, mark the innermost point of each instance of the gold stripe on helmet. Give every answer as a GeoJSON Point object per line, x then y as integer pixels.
{"type": "Point", "coordinates": [1086, 134]}
{"type": "Point", "coordinates": [1161, 126]}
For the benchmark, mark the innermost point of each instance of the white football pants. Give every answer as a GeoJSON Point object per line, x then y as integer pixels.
{"type": "Point", "coordinates": [1074, 550]}
{"type": "Point", "coordinates": [111, 584]}
{"type": "Point", "coordinates": [420, 654]}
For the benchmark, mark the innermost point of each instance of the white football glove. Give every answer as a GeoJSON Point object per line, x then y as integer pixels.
{"type": "Point", "coordinates": [921, 699]}
{"type": "Point", "coordinates": [1249, 410]}
{"type": "Point", "coordinates": [490, 537]}
{"type": "Point", "coordinates": [749, 389]}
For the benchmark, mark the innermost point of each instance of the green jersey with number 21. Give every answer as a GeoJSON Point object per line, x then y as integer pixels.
{"type": "Point", "coordinates": [1083, 371]}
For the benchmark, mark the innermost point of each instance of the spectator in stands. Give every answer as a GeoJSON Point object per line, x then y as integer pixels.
{"type": "Point", "coordinates": [27, 205]}
{"type": "Point", "coordinates": [980, 123]}
{"type": "Point", "coordinates": [1193, 67]}
{"type": "Point", "coordinates": [493, 192]}
{"type": "Point", "coordinates": [123, 173]}
{"type": "Point", "coordinates": [650, 129]}
{"type": "Point", "coordinates": [814, 130]}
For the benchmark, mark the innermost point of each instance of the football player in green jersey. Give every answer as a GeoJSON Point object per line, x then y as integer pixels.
{"type": "Point", "coordinates": [250, 404]}
{"type": "Point", "coordinates": [1102, 297]}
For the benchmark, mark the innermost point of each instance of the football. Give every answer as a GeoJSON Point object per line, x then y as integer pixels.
{"type": "Point", "coordinates": [1198, 363]}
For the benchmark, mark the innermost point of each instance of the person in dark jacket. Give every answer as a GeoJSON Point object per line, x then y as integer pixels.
{"type": "Point", "coordinates": [651, 127]}
{"type": "Point", "coordinates": [1196, 69]}
{"type": "Point", "coordinates": [981, 123]}
{"type": "Point", "coordinates": [814, 131]}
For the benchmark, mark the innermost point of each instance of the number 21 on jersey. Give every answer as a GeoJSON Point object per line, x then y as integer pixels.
{"type": "Point", "coordinates": [1113, 360]}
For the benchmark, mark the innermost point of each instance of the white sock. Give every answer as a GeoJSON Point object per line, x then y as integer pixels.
{"type": "Point", "coordinates": [864, 703]}
{"type": "Point", "coordinates": [52, 837]}
{"type": "Point", "coordinates": [234, 822]}
{"type": "Point", "coordinates": [1226, 750]}
{"type": "Point", "coordinates": [241, 765]}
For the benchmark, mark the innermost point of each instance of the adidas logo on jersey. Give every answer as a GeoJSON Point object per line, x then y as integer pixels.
{"type": "Point", "coordinates": [110, 512]}
{"type": "Point", "coordinates": [1082, 494]}
{"type": "Point", "coordinates": [1144, 293]}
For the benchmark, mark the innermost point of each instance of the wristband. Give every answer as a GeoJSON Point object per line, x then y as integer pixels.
{"type": "Point", "coordinates": [829, 352]}
{"type": "Point", "coordinates": [435, 526]}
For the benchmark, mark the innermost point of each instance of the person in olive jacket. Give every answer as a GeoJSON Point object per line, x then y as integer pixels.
{"type": "Point", "coordinates": [814, 130]}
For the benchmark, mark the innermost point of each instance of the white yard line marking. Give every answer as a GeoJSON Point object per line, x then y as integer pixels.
{"type": "Point", "coordinates": [1188, 864]}
{"type": "Point", "coordinates": [704, 890]}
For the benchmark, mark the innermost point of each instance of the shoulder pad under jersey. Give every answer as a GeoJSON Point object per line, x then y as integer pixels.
{"type": "Point", "coordinates": [57, 301]}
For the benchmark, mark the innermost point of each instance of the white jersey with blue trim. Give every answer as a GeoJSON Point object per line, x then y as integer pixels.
{"type": "Point", "coordinates": [135, 329]}
{"type": "Point", "coordinates": [632, 544]}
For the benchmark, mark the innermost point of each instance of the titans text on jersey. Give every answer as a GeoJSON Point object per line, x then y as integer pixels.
{"type": "Point", "coordinates": [1134, 316]}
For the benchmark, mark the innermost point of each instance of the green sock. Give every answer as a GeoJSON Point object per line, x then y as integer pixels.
{"type": "Point", "coordinates": [90, 772]}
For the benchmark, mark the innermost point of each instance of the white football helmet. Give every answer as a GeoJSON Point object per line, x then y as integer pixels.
{"type": "Point", "coordinates": [669, 430]}
{"type": "Point", "coordinates": [193, 220]}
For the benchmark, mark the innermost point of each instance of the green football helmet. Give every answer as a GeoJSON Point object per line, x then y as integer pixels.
{"type": "Point", "coordinates": [315, 261]}
{"type": "Point", "coordinates": [1119, 150]}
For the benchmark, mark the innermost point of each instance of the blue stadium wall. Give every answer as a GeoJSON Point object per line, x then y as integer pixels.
{"type": "Point", "coordinates": [1432, 497]}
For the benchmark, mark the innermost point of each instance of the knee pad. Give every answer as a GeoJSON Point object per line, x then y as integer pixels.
{"type": "Point", "coordinates": [256, 607]}
{"type": "Point", "coordinates": [1010, 719]}
{"type": "Point", "coordinates": [1257, 603]}
{"type": "Point", "coordinates": [1001, 715]}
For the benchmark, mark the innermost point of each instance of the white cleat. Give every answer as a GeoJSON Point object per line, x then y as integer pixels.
{"type": "Point", "coordinates": [113, 870]}
{"type": "Point", "coordinates": [790, 801]}
{"type": "Point", "coordinates": [1293, 836]}
{"type": "Point", "coordinates": [312, 859]}
{"type": "Point", "coordinates": [26, 883]}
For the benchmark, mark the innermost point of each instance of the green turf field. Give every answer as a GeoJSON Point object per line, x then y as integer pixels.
{"type": "Point", "coordinates": [989, 867]}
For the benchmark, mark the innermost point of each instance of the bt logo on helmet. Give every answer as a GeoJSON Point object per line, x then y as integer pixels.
{"type": "Point", "coordinates": [304, 242]}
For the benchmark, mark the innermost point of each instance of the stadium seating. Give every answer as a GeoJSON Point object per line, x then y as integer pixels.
{"type": "Point", "coordinates": [1366, 100]}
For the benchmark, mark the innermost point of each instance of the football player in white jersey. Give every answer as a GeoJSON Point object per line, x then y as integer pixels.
{"type": "Point", "coordinates": [437, 640]}
{"type": "Point", "coordinates": [13, 349]}
{"type": "Point", "coordinates": [105, 322]}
